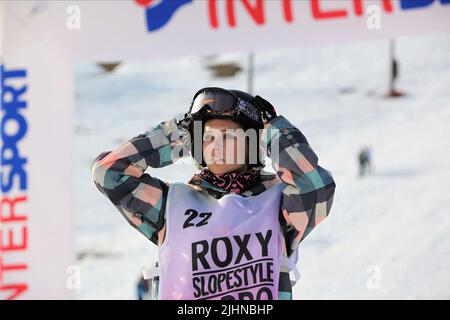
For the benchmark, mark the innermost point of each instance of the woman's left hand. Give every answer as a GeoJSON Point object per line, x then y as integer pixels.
{"type": "Point", "coordinates": [267, 109]}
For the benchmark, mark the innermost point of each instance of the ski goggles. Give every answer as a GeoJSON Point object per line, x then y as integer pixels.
{"type": "Point", "coordinates": [219, 102]}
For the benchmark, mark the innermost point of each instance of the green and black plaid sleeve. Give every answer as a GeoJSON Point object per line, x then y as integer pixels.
{"type": "Point", "coordinates": [119, 175]}
{"type": "Point", "coordinates": [308, 195]}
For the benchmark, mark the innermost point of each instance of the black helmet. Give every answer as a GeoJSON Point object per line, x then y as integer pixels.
{"type": "Point", "coordinates": [218, 103]}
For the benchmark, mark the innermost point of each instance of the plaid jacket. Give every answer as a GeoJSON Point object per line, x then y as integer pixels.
{"type": "Point", "coordinates": [141, 198]}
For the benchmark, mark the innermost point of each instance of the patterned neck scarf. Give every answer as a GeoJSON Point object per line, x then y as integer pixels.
{"type": "Point", "coordinates": [236, 182]}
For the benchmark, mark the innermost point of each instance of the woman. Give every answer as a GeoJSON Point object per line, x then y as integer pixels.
{"type": "Point", "coordinates": [233, 230]}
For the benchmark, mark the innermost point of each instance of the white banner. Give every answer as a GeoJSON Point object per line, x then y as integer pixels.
{"type": "Point", "coordinates": [36, 217]}
{"type": "Point", "coordinates": [117, 30]}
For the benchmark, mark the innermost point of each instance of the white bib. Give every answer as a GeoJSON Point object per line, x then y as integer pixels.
{"type": "Point", "coordinates": [228, 248]}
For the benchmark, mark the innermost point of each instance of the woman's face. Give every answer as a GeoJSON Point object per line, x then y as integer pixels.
{"type": "Point", "coordinates": [224, 146]}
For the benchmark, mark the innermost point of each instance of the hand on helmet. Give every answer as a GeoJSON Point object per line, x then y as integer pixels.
{"type": "Point", "coordinates": [185, 123]}
{"type": "Point", "coordinates": [267, 109]}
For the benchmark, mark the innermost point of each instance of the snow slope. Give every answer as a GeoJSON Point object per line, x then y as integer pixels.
{"type": "Point", "coordinates": [387, 235]}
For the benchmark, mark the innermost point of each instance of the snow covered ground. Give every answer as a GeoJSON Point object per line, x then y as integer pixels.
{"type": "Point", "coordinates": [388, 235]}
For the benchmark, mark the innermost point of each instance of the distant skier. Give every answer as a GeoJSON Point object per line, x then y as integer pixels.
{"type": "Point", "coordinates": [142, 289]}
{"type": "Point", "coordinates": [233, 230]}
{"type": "Point", "coordinates": [365, 161]}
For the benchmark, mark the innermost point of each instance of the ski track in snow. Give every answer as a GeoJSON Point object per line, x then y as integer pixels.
{"type": "Point", "coordinates": [393, 224]}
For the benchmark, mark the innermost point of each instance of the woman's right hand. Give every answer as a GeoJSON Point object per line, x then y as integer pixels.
{"type": "Point", "coordinates": [185, 123]}
{"type": "Point", "coordinates": [184, 128]}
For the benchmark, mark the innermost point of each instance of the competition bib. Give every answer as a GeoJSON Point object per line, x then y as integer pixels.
{"type": "Point", "coordinates": [228, 248]}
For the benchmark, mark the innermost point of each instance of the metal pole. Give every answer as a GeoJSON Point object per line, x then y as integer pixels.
{"type": "Point", "coordinates": [251, 70]}
{"type": "Point", "coordinates": [392, 66]}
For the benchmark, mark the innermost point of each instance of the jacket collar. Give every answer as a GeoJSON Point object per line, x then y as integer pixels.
{"type": "Point", "coordinates": [266, 179]}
